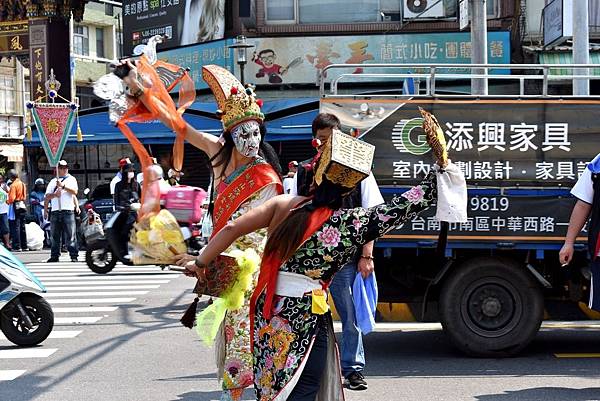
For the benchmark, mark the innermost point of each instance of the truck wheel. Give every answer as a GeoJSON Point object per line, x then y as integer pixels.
{"type": "Point", "coordinates": [491, 308]}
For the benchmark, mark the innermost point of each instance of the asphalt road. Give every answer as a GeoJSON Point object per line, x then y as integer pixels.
{"type": "Point", "coordinates": [121, 340]}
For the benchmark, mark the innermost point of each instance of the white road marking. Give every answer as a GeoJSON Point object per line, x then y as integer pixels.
{"type": "Point", "coordinates": [91, 301]}
{"type": "Point", "coordinates": [92, 293]}
{"type": "Point", "coordinates": [103, 281]}
{"type": "Point", "coordinates": [43, 270]}
{"type": "Point", "coordinates": [55, 334]}
{"type": "Point", "coordinates": [92, 274]}
{"type": "Point", "coordinates": [114, 277]}
{"type": "Point", "coordinates": [102, 287]}
{"type": "Point", "coordinates": [6, 375]}
{"type": "Point", "coordinates": [77, 320]}
{"type": "Point", "coordinates": [18, 353]}
{"type": "Point", "coordinates": [76, 309]}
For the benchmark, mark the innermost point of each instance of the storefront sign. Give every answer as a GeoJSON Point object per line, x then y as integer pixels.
{"type": "Point", "coordinates": [298, 60]}
{"type": "Point", "coordinates": [14, 38]}
{"type": "Point", "coordinates": [182, 21]}
{"type": "Point", "coordinates": [39, 59]}
{"type": "Point", "coordinates": [194, 57]}
{"type": "Point", "coordinates": [558, 22]}
{"type": "Point", "coordinates": [496, 142]}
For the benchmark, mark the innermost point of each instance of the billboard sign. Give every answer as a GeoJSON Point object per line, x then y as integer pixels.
{"type": "Point", "coordinates": [194, 57]}
{"type": "Point", "coordinates": [14, 38]}
{"type": "Point", "coordinates": [497, 143]}
{"type": "Point", "coordinates": [182, 21]}
{"type": "Point", "coordinates": [298, 60]}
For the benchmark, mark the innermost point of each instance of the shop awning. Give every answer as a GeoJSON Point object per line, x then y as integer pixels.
{"type": "Point", "coordinates": [567, 58]}
{"type": "Point", "coordinates": [288, 119]}
{"type": "Point", "coordinates": [13, 152]}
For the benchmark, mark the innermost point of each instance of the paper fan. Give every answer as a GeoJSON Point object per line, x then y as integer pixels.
{"type": "Point", "coordinates": [435, 137]}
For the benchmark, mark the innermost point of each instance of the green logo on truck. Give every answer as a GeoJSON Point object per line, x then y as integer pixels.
{"type": "Point", "coordinates": [408, 137]}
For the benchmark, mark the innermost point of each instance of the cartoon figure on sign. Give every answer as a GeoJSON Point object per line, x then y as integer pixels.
{"type": "Point", "coordinates": [322, 57]}
{"type": "Point", "coordinates": [358, 54]}
{"type": "Point", "coordinates": [269, 69]}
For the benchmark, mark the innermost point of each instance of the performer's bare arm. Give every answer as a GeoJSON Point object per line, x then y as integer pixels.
{"type": "Point", "coordinates": [269, 214]}
{"type": "Point", "coordinates": [579, 216]}
{"type": "Point", "coordinates": [208, 143]}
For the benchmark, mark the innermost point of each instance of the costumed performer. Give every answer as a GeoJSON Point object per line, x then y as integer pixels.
{"type": "Point", "coordinates": [245, 175]}
{"type": "Point", "coordinates": [311, 239]}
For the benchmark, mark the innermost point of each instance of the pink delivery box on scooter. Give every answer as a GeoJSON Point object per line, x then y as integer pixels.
{"type": "Point", "coordinates": [185, 203]}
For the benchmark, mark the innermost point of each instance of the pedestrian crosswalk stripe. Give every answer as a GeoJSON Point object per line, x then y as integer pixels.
{"type": "Point", "coordinates": [55, 334]}
{"type": "Point", "coordinates": [76, 319]}
{"type": "Point", "coordinates": [112, 277]}
{"type": "Point", "coordinates": [84, 309]}
{"type": "Point", "coordinates": [93, 293]}
{"type": "Point", "coordinates": [18, 353]}
{"type": "Point", "coordinates": [91, 301]}
{"type": "Point", "coordinates": [92, 274]}
{"type": "Point", "coordinates": [102, 287]}
{"type": "Point", "coordinates": [10, 374]}
{"type": "Point", "coordinates": [104, 281]}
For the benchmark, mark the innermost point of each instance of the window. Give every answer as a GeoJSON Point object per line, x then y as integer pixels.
{"type": "Point", "coordinates": [7, 95]}
{"type": "Point", "coordinates": [81, 40]}
{"type": "Point", "coordinates": [281, 11]}
{"type": "Point", "coordinates": [100, 42]}
{"type": "Point", "coordinates": [319, 11]}
{"type": "Point", "coordinates": [109, 9]}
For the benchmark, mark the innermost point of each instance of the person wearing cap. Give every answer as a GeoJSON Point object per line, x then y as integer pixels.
{"type": "Point", "coordinates": [36, 200]}
{"type": "Point", "coordinates": [16, 199]}
{"type": "Point", "coordinates": [289, 178]}
{"type": "Point", "coordinates": [60, 192]}
{"type": "Point", "coordinates": [366, 195]}
{"type": "Point", "coordinates": [310, 240]}
{"type": "Point", "coordinates": [113, 183]}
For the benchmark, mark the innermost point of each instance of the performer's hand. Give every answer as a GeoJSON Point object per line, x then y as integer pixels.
{"type": "Point", "coordinates": [132, 80]}
{"type": "Point", "coordinates": [366, 267]}
{"type": "Point", "coordinates": [191, 270]}
{"type": "Point", "coordinates": [183, 259]}
{"type": "Point", "coordinates": [566, 254]}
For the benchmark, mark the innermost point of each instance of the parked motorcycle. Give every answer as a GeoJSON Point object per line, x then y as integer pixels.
{"type": "Point", "coordinates": [26, 319]}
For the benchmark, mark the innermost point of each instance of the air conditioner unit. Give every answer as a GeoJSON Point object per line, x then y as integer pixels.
{"type": "Point", "coordinates": [423, 9]}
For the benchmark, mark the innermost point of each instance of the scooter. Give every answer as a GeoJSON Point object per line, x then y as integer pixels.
{"type": "Point", "coordinates": [26, 319]}
{"type": "Point", "coordinates": [102, 255]}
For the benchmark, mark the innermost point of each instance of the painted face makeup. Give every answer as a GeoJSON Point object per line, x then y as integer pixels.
{"type": "Point", "coordinates": [246, 137]}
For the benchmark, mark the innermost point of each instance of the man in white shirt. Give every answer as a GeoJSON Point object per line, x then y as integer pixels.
{"type": "Point", "coordinates": [352, 355]}
{"type": "Point", "coordinates": [288, 181]}
{"type": "Point", "coordinates": [587, 192]}
{"type": "Point", "coordinates": [60, 192]}
{"type": "Point", "coordinates": [113, 183]}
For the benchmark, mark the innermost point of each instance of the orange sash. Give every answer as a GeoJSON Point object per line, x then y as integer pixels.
{"type": "Point", "coordinates": [269, 269]}
{"type": "Point", "coordinates": [243, 187]}
{"type": "Point", "coordinates": [159, 102]}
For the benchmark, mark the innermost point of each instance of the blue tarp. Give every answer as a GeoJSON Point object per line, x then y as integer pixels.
{"type": "Point", "coordinates": [97, 128]}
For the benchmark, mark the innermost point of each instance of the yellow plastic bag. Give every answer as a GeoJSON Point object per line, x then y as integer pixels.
{"type": "Point", "coordinates": [157, 238]}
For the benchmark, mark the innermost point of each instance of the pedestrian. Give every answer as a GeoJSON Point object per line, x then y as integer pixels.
{"type": "Point", "coordinates": [587, 192]}
{"type": "Point", "coordinates": [61, 191]}
{"type": "Point", "coordinates": [365, 195]}
{"type": "Point", "coordinates": [16, 198]}
{"type": "Point", "coordinates": [289, 178]}
{"type": "Point", "coordinates": [4, 228]}
{"type": "Point", "coordinates": [310, 240]}
{"type": "Point", "coordinates": [36, 200]}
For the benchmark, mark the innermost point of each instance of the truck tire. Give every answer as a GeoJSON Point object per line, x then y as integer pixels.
{"type": "Point", "coordinates": [491, 307]}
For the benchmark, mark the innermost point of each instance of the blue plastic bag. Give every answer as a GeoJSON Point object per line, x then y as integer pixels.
{"type": "Point", "coordinates": [11, 211]}
{"type": "Point", "coordinates": [364, 292]}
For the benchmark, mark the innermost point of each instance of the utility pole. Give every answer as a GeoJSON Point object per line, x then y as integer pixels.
{"type": "Point", "coordinates": [581, 46]}
{"type": "Point", "coordinates": [479, 86]}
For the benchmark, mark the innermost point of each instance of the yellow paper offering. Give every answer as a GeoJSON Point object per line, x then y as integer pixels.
{"type": "Point", "coordinates": [157, 238]}
{"type": "Point", "coordinates": [319, 302]}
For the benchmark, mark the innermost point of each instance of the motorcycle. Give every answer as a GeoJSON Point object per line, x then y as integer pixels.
{"type": "Point", "coordinates": [26, 318]}
{"type": "Point", "coordinates": [102, 254]}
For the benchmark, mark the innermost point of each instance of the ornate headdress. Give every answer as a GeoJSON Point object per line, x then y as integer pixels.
{"type": "Point", "coordinates": [236, 103]}
{"type": "Point", "coordinates": [344, 160]}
